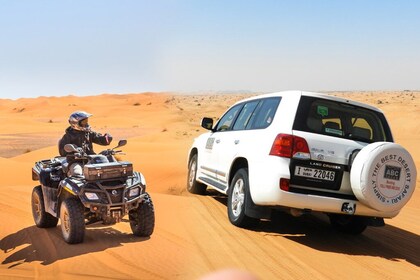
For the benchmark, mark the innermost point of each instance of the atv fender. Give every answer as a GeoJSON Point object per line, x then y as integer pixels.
{"type": "Point", "coordinates": [50, 200]}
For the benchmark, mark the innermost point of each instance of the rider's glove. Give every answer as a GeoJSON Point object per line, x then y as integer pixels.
{"type": "Point", "coordinates": [108, 138]}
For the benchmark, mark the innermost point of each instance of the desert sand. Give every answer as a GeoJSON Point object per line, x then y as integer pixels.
{"type": "Point", "coordinates": [193, 236]}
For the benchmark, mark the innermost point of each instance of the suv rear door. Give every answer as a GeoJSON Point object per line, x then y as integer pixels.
{"type": "Point", "coordinates": [236, 131]}
{"type": "Point", "coordinates": [333, 131]}
{"type": "Point", "coordinates": [230, 142]}
{"type": "Point", "coordinates": [244, 138]}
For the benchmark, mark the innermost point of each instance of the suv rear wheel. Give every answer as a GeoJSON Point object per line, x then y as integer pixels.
{"type": "Point", "coordinates": [348, 224]}
{"type": "Point", "coordinates": [237, 196]}
{"type": "Point", "coordinates": [192, 185]}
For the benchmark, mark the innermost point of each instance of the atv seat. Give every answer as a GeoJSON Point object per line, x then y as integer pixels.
{"type": "Point", "coordinates": [96, 159]}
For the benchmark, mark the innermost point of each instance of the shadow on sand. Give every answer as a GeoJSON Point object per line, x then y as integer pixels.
{"type": "Point", "coordinates": [314, 231]}
{"type": "Point", "coordinates": [47, 245]}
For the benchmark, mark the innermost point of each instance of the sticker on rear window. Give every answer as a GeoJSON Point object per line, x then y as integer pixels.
{"type": "Point", "coordinates": [334, 131]}
{"type": "Point", "coordinates": [322, 110]}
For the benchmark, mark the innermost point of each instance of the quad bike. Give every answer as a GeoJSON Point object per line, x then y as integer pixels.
{"type": "Point", "coordinates": [106, 192]}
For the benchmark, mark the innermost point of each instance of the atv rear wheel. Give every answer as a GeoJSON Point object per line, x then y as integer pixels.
{"type": "Point", "coordinates": [142, 219]}
{"type": "Point", "coordinates": [42, 219]}
{"type": "Point", "coordinates": [72, 220]}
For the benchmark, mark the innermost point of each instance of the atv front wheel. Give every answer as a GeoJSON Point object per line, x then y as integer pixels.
{"type": "Point", "coordinates": [142, 219]}
{"type": "Point", "coordinates": [42, 218]}
{"type": "Point", "coordinates": [72, 220]}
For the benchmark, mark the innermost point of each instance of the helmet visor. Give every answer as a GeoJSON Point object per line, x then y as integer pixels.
{"type": "Point", "coordinates": [84, 123]}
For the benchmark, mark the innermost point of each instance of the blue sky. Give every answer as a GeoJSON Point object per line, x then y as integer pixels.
{"type": "Point", "coordinates": [55, 48]}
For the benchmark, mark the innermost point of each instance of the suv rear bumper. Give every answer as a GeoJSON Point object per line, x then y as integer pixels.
{"type": "Point", "coordinates": [264, 186]}
{"type": "Point", "coordinates": [316, 203]}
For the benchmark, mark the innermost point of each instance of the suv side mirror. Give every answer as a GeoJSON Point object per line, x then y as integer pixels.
{"type": "Point", "coordinates": [207, 123]}
{"type": "Point", "coordinates": [70, 148]}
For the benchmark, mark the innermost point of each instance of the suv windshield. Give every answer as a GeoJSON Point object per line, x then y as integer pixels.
{"type": "Point", "coordinates": [341, 120]}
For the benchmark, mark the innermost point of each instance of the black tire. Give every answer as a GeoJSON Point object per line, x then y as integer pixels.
{"type": "Point", "coordinates": [142, 219]}
{"type": "Point", "coordinates": [192, 185]}
{"type": "Point", "coordinates": [42, 218]}
{"type": "Point", "coordinates": [72, 220]}
{"type": "Point", "coordinates": [237, 198]}
{"type": "Point", "coordinates": [348, 224]}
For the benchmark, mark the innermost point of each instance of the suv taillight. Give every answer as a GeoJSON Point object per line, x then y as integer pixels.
{"type": "Point", "coordinates": [286, 145]}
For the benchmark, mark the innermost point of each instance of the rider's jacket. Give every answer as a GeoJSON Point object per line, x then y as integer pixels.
{"type": "Point", "coordinates": [82, 139]}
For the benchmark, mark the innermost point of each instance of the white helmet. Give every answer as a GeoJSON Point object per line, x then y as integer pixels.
{"type": "Point", "coordinates": [79, 120]}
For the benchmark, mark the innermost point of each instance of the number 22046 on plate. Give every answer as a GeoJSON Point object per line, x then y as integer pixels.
{"type": "Point", "coordinates": [314, 173]}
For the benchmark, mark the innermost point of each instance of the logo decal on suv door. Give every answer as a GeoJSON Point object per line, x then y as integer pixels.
{"type": "Point", "coordinates": [210, 142]}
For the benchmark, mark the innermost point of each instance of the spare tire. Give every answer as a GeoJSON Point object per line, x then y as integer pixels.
{"type": "Point", "coordinates": [383, 176]}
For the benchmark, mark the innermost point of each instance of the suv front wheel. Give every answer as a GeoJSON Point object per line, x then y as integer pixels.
{"type": "Point", "coordinates": [192, 185]}
{"type": "Point", "coordinates": [237, 198]}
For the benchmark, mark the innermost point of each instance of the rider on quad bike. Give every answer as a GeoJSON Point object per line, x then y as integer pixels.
{"type": "Point", "coordinates": [80, 134]}
{"type": "Point", "coordinates": [81, 187]}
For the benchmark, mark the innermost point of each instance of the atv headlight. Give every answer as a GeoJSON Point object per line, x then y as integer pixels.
{"type": "Point", "coordinates": [138, 178]}
{"type": "Point", "coordinates": [135, 180]}
{"type": "Point", "coordinates": [91, 196]}
{"type": "Point", "coordinates": [134, 192]}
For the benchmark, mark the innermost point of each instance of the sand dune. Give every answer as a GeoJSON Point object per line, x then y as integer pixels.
{"type": "Point", "coordinates": [192, 236]}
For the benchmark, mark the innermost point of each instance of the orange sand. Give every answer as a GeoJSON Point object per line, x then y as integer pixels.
{"type": "Point", "coordinates": [193, 235]}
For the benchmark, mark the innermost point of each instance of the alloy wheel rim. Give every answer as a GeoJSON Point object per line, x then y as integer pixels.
{"type": "Point", "coordinates": [36, 206]}
{"type": "Point", "coordinates": [192, 174]}
{"type": "Point", "coordinates": [238, 197]}
{"type": "Point", "coordinates": [66, 222]}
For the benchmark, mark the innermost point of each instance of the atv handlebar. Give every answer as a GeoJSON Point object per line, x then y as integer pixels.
{"type": "Point", "coordinates": [110, 152]}
{"type": "Point", "coordinates": [79, 153]}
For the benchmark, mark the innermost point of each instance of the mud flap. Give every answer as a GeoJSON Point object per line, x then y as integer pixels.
{"type": "Point", "coordinates": [50, 200]}
{"type": "Point", "coordinates": [255, 211]}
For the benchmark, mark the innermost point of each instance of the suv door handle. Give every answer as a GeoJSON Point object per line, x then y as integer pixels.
{"type": "Point", "coordinates": [236, 142]}
{"type": "Point", "coordinates": [217, 141]}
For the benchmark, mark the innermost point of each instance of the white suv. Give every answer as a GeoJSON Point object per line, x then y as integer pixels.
{"type": "Point", "coordinates": [303, 152]}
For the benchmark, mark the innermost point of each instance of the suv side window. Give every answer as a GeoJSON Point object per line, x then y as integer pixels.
{"type": "Point", "coordinates": [245, 115]}
{"type": "Point", "coordinates": [226, 122]}
{"type": "Point", "coordinates": [265, 112]}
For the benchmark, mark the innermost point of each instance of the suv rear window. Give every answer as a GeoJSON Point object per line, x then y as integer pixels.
{"type": "Point", "coordinates": [341, 120]}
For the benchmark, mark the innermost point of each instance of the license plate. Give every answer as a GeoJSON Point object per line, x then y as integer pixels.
{"type": "Point", "coordinates": [314, 173]}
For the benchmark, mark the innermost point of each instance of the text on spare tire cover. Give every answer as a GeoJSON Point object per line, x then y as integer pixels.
{"type": "Point", "coordinates": [386, 179]}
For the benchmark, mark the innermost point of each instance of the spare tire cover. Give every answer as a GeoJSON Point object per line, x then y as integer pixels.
{"type": "Point", "coordinates": [383, 176]}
